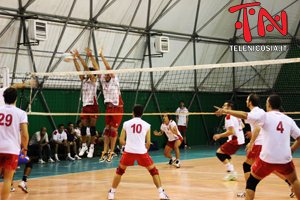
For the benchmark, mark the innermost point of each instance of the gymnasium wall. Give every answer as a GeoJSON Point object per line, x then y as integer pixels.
{"type": "Point", "coordinates": [65, 101]}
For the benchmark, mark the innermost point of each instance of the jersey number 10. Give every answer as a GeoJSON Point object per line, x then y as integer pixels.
{"type": "Point", "coordinates": [136, 128]}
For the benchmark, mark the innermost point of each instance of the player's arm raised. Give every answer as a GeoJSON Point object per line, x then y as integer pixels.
{"type": "Point", "coordinates": [22, 85]}
{"type": "Point", "coordinates": [89, 53]}
{"type": "Point", "coordinates": [235, 113]}
{"type": "Point", "coordinates": [76, 54]}
{"type": "Point", "coordinates": [105, 61]}
{"type": "Point", "coordinates": [148, 139]}
{"type": "Point", "coordinates": [24, 138]}
{"type": "Point", "coordinates": [122, 137]}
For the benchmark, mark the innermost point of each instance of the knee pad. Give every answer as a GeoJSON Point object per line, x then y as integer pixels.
{"type": "Point", "coordinates": [113, 133]}
{"type": "Point", "coordinates": [252, 183]}
{"type": "Point", "coordinates": [30, 164]}
{"type": "Point", "coordinates": [246, 167]}
{"type": "Point", "coordinates": [228, 157]}
{"type": "Point", "coordinates": [93, 130]}
{"type": "Point", "coordinates": [154, 171]}
{"type": "Point", "coordinates": [221, 156]}
{"type": "Point", "coordinates": [120, 171]}
{"type": "Point", "coordinates": [107, 132]}
{"type": "Point", "coordinates": [83, 131]}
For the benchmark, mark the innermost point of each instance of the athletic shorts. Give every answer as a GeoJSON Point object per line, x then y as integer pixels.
{"type": "Point", "coordinates": [23, 160]}
{"type": "Point", "coordinates": [143, 160]}
{"type": "Point", "coordinates": [89, 109]}
{"type": "Point", "coordinates": [230, 147]}
{"type": "Point", "coordinates": [182, 129]}
{"type": "Point", "coordinates": [113, 120]}
{"type": "Point", "coordinates": [263, 169]}
{"type": "Point", "coordinates": [254, 153]}
{"type": "Point", "coordinates": [9, 161]}
{"type": "Point", "coordinates": [171, 143]}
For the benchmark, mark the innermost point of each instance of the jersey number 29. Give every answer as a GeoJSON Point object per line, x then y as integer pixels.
{"type": "Point", "coordinates": [8, 119]}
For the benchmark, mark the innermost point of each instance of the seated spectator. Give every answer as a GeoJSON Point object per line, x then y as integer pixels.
{"type": "Point", "coordinates": [39, 141]}
{"type": "Point", "coordinates": [88, 135]}
{"type": "Point", "coordinates": [71, 134]}
{"type": "Point", "coordinates": [60, 139]}
{"type": "Point", "coordinates": [78, 138]}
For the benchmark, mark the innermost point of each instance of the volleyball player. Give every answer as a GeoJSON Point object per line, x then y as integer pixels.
{"type": "Point", "coordinates": [90, 104]}
{"type": "Point", "coordinates": [16, 86]}
{"type": "Point", "coordinates": [254, 146]}
{"type": "Point", "coordinates": [136, 131]}
{"type": "Point", "coordinates": [276, 153]}
{"type": "Point", "coordinates": [11, 138]}
{"type": "Point", "coordinates": [235, 140]}
{"type": "Point", "coordinates": [114, 104]}
{"type": "Point", "coordinates": [29, 164]}
{"type": "Point", "coordinates": [174, 140]}
{"type": "Point", "coordinates": [182, 122]}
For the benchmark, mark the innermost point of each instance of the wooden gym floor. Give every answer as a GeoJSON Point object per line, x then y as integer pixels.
{"type": "Point", "coordinates": [199, 178]}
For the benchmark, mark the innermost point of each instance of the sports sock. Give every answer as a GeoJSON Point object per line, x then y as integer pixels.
{"type": "Point", "coordinates": [113, 189]}
{"type": "Point", "coordinates": [24, 178]}
{"type": "Point", "coordinates": [83, 145]}
{"type": "Point", "coordinates": [92, 146]}
{"type": "Point", "coordinates": [229, 167]}
{"type": "Point", "coordinates": [160, 190]}
{"type": "Point", "coordinates": [56, 156]}
{"type": "Point", "coordinates": [173, 158]}
{"type": "Point", "coordinates": [69, 154]}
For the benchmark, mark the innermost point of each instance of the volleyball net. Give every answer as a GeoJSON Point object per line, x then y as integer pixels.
{"type": "Point", "coordinates": [161, 89]}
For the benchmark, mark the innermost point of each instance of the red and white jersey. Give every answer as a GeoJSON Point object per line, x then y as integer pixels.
{"type": "Point", "coordinates": [182, 118]}
{"type": "Point", "coordinates": [258, 112]}
{"type": "Point", "coordinates": [231, 121]}
{"type": "Point", "coordinates": [111, 90]}
{"type": "Point", "coordinates": [276, 129]}
{"type": "Point", "coordinates": [10, 119]}
{"type": "Point", "coordinates": [59, 137]}
{"type": "Point", "coordinates": [2, 102]}
{"type": "Point", "coordinates": [166, 128]}
{"type": "Point", "coordinates": [89, 92]}
{"type": "Point", "coordinates": [136, 131]}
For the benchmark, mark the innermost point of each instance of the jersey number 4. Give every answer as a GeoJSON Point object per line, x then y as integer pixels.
{"type": "Point", "coordinates": [136, 128]}
{"type": "Point", "coordinates": [8, 119]}
{"type": "Point", "coordinates": [280, 127]}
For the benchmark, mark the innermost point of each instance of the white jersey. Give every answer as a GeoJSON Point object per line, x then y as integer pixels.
{"type": "Point", "coordinates": [136, 131]}
{"type": "Point", "coordinates": [182, 118]}
{"type": "Point", "coordinates": [89, 92]}
{"type": "Point", "coordinates": [2, 102]}
{"type": "Point", "coordinates": [10, 138]}
{"type": "Point", "coordinates": [59, 137]}
{"type": "Point", "coordinates": [111, 90]}
{"type": "Point", "coordinates": [171, 136]}
{"type": "Point", "coordinates": [258, 112]}
{"type": "Point", "coordinates": [276, 129]}
{"type": "Point", "coordinates": [231, 121]}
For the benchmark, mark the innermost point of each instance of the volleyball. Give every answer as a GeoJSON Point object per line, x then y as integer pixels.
{"type": "Point", "coordinates": [67, 57]}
